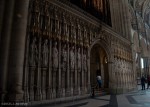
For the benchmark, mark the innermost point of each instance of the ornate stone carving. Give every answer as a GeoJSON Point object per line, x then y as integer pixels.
{"type": "Point", "coordinates": [55, 56]}
{"type": "Point", "coordinates": [85, 37]}
{"type": "Point", "coordinates": [79, 32]}
{"type": "Point", "coordinates": [84, 61]}
{"type": "Point", "coordinates": [46, 21]}
{"type": "Point", "coordinates": [57, 27]}
{"type": "Point", "coordinates": [73, 33]}
{"type": "Point", "coordinates": [33, 55]}
{"type": "Point", "coordinates": [64, 58]}
{"type": "Point", "coordinates": [64, 27]}
{"type": "Point", "coordinates": [72, 58]}
{"type": "Point", "coordinates": [115, 64]}
{"type": "Point", "coordinates": [45, 53]}
{"type": "Point", "coordinates": [79, 59]}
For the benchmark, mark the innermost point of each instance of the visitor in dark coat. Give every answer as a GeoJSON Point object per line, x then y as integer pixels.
{"type": "Point", "coordinates": [148, 81]}
{"type": "Point", "coordinates": [143, 82]}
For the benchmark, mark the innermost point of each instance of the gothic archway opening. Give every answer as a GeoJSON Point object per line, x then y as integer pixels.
{"type": "Point", "coordinates": [99, 66]}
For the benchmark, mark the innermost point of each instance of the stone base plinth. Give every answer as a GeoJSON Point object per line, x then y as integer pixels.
{"type": "Point", "coordinates": [15, 97]}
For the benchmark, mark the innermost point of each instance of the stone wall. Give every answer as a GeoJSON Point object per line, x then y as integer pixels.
{"type": "Point", "coordinates": [51, 60]}
{"type": "Point", "coordinates": [57, 52]}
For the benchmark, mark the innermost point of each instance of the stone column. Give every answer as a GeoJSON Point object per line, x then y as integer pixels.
{"type": "Point", "coordinates": [17, 50]}
{"type": "Point", "coordinates": [2, 8]}
{"type": "Point", "coordinates": [58, 74]}
{"type": "Point", "coordinates": [79, 79]}
{"type": "Point", "coordinates": [26, 71]}
{"type": "Point", "coordinates": [102, 73]}
{"type": "Point", "coordinates": [64, 55]}
{"type": "Point", "coordinates": [120, 17]}
{"type": "Point", "coordinates": [43, 82]}
{"type": "Point", "coordinates": [82, 73]}
{"type": "Point", "coordinates": [49, 80]}
{"type": "Point", "coordinates": [5, 31]}
{"type": "Point", "coordinates": [55, 63]}
{"type": "Point", "coordinates": [125, 79]}
{"type": "Point", "coordinates": [127, 21]}
{"type": "Point", "coordinates": [139, 60]}
{"type": "Point", "coordinates": [31, 84]}
{"type": "Point", "coordinates": [88, 71]}
{"type": "Point", "coordinates": [114, 6]}
{"type": "Point", "coordinates": [128, 80]}
{"type": "Point", "coordinates": [85, 71]}
{"type": "Point", "coordinates": [54, 84]}
{"type": "Point", "coordinates": [75, 73]}
{"type": "Point", "coordinates": [113, 20]}
{"type": "Point", "coordinates": [71, 76]}
{"type": "Point", "coordinates": [79, 72]}
{"type": "Point", "coordinates": [110, 73]}
{"type": "Point", "coordinates": [38, 73]}
{"type": "Point", "coordinates": [123, 87]}
{"type": "Point", "coordinates": [68, 73]}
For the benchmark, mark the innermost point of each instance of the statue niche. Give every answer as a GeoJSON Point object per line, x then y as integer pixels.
{"type": "Point", "coordinates": [45, 53]}
{"type": "Point", "coordinates": [79, 59]}
{"type": "Point", "coordinates": [85, 61]}
{"type": "Point", "coordinates": [64, 58]}
{"type": "Point", "coordinates": [33, 53]}
{"type": "Point", "coordinates": [55, 56]}
{"type": "Point", "coordinates": [72, 58]}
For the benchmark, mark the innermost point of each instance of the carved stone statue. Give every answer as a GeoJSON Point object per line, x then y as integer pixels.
{"type": "Point", "coordinates": [45, 53]}
{"type": "Point", "coordinates": [46, 19]}
{"type": "Point", "coordinates": [84, 62]}
{"type": "Point", "coordinates": [33, 52]}
{"type": "Point", "coordinates": [64, 58]}
{"type": "Point", "coordinates": [119, 65]}
{"type": "Point", "coordinates": [115, 65]}
{"type": "Point", "coordinates": [57, 26]}
{"type": "Point", "coordinates": [64, 25]}
{"type": "Point", "coordinates": [55, 56]}
{"type": "Point", "coordinates": [79, 33]}
{"type": "Point", "coordinates": [67, 32]}
{"type": "Point", "coordinates": [85, 33]}
{"type": "Point", "coordinates": [72, 58]}
{"type": "Point", "coordinates": [73, 32]}
{"type": "Point", "coordinates": [79, 59]}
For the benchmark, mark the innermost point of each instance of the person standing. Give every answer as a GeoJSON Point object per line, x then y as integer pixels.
{"type": "Point", "coordinates": [143, 82]}
{"type": "Point", "coordinates": [148, 81]}
{"type": "Point", "coordinates": [99, 80]}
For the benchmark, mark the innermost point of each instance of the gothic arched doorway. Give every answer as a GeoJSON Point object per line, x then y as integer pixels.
{"type": "Point", "coordinates": [99, 65]}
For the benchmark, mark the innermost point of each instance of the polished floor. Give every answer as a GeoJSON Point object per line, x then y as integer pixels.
{"type": "Point", "coordinates": [138, 98]}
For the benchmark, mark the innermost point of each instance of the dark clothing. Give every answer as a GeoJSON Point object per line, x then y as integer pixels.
{"type": "Point", "coordinates": [143, 83]}
{"type": "Point", "coordinates": [148, 82]}
{"type": "Point", "coordinates": [99, 80]}
{"type": "Point", "coordinates": [99, 83]}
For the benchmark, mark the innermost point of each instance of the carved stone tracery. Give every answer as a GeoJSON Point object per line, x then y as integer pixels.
{"type": "Point", "coordinates": [65, 39]}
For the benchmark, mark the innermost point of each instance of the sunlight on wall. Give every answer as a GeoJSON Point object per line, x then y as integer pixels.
{"type": "Point", "coordinates": [142, 64]}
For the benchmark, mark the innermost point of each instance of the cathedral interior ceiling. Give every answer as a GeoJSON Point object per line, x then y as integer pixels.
{"type": "Point", "coordinates": [141, 24]}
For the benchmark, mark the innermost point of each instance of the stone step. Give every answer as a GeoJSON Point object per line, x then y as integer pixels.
{"type": "Point", "coordinates": [100, 92]}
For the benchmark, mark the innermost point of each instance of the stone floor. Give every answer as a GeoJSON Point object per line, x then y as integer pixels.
{"type": "Point", "coordinates": [138, 98]}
